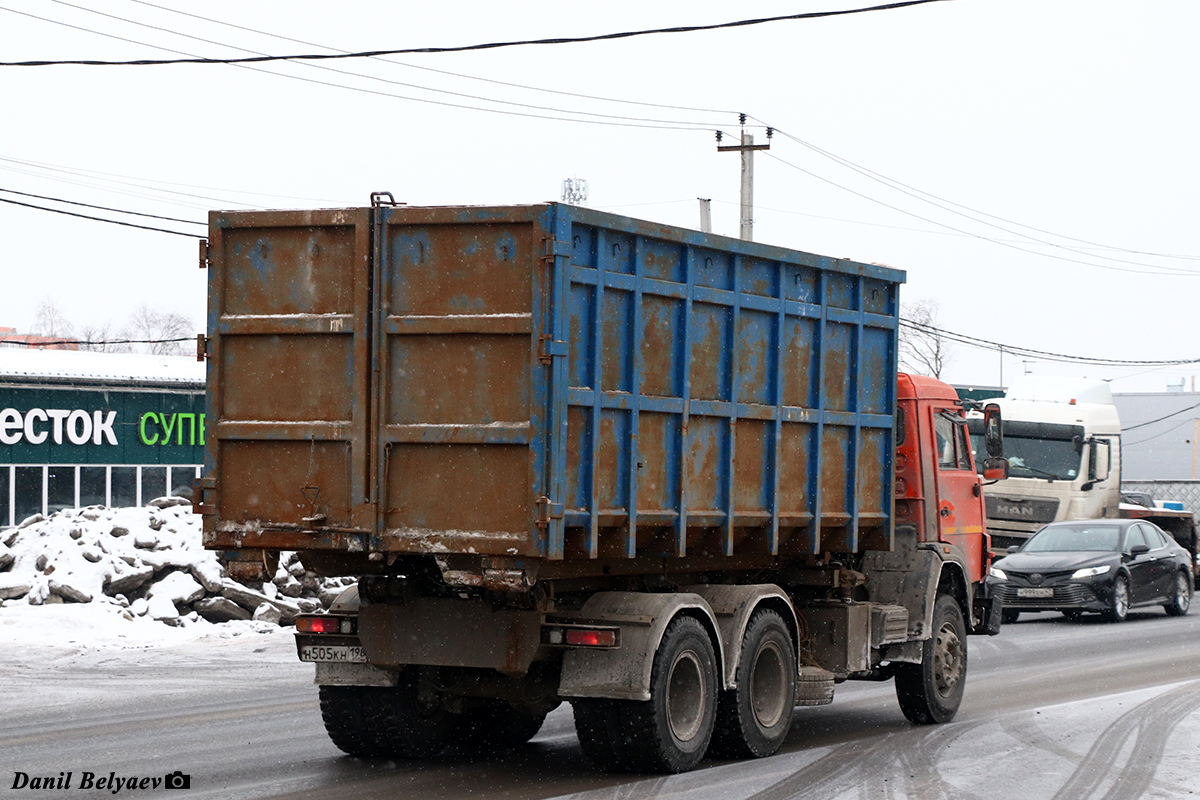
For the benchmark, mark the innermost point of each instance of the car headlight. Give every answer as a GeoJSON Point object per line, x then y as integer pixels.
{"type": "Point", "coordinates": [996, 572]}
{"type": "Point", "coordinates": [1088, 572]}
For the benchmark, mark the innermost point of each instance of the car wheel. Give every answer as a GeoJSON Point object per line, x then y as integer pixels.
{"type": "Point", "coordinates": [1009, 615]}
{"type": "Point", "coordinates": [1182, 600]}
{"type": "Point", "coordinates": [1118, 607]}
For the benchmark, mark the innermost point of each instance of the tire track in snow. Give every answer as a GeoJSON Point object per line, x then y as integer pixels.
{"type": "Point", "coordinates": [875, 769]}
{"type": "Point", "coordinates": [1151, 723]}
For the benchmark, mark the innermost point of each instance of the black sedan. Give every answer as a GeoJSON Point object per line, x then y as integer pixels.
{"type": "Point", "coordinates": [1104, 565]}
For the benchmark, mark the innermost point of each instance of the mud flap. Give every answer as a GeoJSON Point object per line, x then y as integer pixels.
{"type": "Point", "coordinates": [988, 611]}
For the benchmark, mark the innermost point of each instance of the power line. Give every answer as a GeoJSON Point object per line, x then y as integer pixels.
{"type": "Point", "coordinates": [922, 195]}
{"type": "Point", "coordinates": [466, 48]}
{"type": "Point", "coordinates": [986, 344]}
{"type": "Point", "coordinates": [100, 219]}
{"type": "Point", "coordinates": [1160, 419]}
{"type": "Point", "coordinates": [611, 120]}
{"type": "Point", "coordinates": [438, 71]}
{"type": "Point", "coordinates": [655, 122]}
{"type": "Point", "coordinates": [1155, 270]}
{"type": "Point", "coordinates": [94, 342]}
{"type": "Point", "coordinates": [101, 208]}
{"type": "Point", "coordinates": [1157, 435]}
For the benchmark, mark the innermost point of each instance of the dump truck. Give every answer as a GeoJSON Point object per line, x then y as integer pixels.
{"type": "Point", "coordinates": [668, 477]}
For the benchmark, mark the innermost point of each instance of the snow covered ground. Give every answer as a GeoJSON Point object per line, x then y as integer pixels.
{"type": "Point", "coordinates": [137, 575]}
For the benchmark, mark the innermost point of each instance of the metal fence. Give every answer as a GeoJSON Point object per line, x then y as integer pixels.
{"type": "Point", "coordinates": [1186, 491]}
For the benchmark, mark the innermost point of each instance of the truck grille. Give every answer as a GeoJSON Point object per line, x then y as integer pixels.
{"type": "Point", "coordinates": [1021, 509]}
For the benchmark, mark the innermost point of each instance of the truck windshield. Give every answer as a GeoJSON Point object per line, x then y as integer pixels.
{"type": "Point", "coordinates": [1052, 459]}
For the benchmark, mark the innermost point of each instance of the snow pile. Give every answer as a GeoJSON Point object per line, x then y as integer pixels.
{"type": "Point", "coordinates": [146, 563]}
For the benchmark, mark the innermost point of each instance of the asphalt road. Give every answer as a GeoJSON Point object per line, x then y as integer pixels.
{"type": "Point", "coordinates": [1053, 709]}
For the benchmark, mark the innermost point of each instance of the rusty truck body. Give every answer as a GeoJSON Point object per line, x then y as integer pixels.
{"type": "Point", "coordinates": [668, 477]}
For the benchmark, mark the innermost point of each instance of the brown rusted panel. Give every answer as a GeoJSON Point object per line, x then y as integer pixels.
{"type": "Point", "coordinates": [660, 345]}
{"type": "Point", "coordinates": [461, 378]}
{"type": "Point", "coordinates": [578, 459]}
{"type": "Point", "coordinates": [799, 367]}
{"type": "Point", "coordinates": [288, 270]}
{"type": "Point", "coordinates": [283, 482]}
{"type": "Point", "coordinates": [709, 437]}
{"type": "Point", "coordinates": [835, 376]}
{"type": "Point", "coordinates": [657, 438]}
{"type": "Point", "coordinates": [616, 368]}
{"type": "Point", "coordinates": [612, 469]}
{"type": "Point", "coordinates": [751, 481]}
{"type": "Point", "coordinates": [437, 489]}
{"type": "Point", "coordinates": [309, 378]}
{"type": "Point", "coordinates": [796, 454]}
{"type": "Point", "coordinates": [474, 268]}
{"type": "Point", "coordinates": [833, 470]}
{"type": "Point", "coordinates": [756, 357]}
{"type": "Point", "coordinates": [709, 364]}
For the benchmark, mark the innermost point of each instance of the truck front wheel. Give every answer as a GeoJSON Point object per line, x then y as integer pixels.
{"type": "Point", "coordinates": [385, 722]}
{"type": "Point", "coordinates": [753, 719]}
{"type": "Point", "coordinates": [932, 691]}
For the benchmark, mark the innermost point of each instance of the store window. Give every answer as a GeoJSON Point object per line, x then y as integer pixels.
{"type": "Point", "coordinates": [5, 496]}
{"type": "Point", "coordinates": [181, 481]}
{"type": "Point", "coordinates": [60, 488]}
{"type": "Point", "coordinates": [93, 486]}
{"type": "Point", "coordinates": [28, 492]}
{"type": "Point", "coordinates": [154, 483]}
{"type": "Point", "coordinates": [124, 487]}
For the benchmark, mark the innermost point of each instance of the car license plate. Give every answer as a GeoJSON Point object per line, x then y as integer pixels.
{"type": "Point", "coordinates": [1035, 592]}
{"type": "Point", "coordinates": [345, 654]}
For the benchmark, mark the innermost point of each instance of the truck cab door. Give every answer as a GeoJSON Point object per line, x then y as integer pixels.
{"type": "Point", "coordinates": [959, 503]}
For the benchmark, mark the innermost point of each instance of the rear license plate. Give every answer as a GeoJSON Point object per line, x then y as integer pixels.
{"type": "Point", "coordinates": [344, 654]}
{"type": "Point", "coordinates": [1035, 592]}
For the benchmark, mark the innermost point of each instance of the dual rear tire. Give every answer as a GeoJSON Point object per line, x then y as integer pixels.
{"type": "Point", "coordinates": [688, 715]}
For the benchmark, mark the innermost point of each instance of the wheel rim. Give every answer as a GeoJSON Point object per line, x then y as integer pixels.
{"type": "Point", "coordinates": [948, 660]}
{"type": "Point", "coordinates": [1183, 598]}
{"type": "Point", "coordinates": [687, 695]}
{"type": "Point", "coordinates": [1121, 598]}
{"type": "Point", "coordinates": [768, 685]}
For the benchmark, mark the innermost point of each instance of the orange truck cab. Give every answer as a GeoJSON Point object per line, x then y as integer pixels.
{"type": "Point", "coordinates": [939, 499]}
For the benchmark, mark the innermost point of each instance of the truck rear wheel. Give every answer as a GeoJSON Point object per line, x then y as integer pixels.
{"type": "Point", "coordinates": [753, 719]}
{"type": "Point", "coordinates": [385, 722]}
{"type": "Point", "coordinates": [671, 731]}
{"type": "Point", "coordinates": [932, 691]}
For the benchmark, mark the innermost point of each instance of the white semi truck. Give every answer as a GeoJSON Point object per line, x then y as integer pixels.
{"type": "Point", "coordinates": [1062, 439]}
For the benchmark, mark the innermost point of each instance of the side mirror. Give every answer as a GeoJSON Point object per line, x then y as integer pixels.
{"type": "Point", "coordinates": [1012, 548]}
{"type": "Point", "coordinates": [993, 430]}
{"type": "Point", "coordinates": [995, 469]}
{"type": "Point", "coordinates": [1100, 460]}
{"type": "Point", "coordinates": [1138, 549]}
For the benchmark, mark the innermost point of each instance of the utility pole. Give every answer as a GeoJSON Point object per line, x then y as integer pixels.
{"type": "Point", "coordinates": [705, 214]}
{"type": "Point", "coordinates": [746, 148]}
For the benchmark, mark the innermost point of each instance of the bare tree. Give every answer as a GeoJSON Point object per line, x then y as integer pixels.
{"type": "Point", "coordinates": [50, 322]}
{"type": "Point", "coordinates": [100, 336]}
{"type": "Point", "coordinates": [924, 349]}
{"type": "Point", "coordinates": [159, 328]}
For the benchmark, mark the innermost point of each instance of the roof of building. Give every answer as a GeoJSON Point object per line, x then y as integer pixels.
{"type": "Point", "coordinates": [69, 366]}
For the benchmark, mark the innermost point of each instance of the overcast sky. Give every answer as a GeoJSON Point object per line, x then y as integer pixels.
{"type": "Point", "coordinates": [1075, 117]}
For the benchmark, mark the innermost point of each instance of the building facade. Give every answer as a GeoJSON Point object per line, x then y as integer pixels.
{"type": "Point", "coordinates": [112, 429]}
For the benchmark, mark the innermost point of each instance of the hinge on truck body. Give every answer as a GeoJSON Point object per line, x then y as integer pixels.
{"type": "Point", "coordinates": [548, 511]}
{"type": "Point", "coordinates": [201, 347]}
{"type": "Point", "coordinates": [549, 347]}
{"type": "Point", "coordinates": [204, 254]}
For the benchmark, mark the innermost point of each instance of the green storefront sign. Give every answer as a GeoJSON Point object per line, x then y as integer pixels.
{"type": "Point", "coordinates": [49, 425]}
